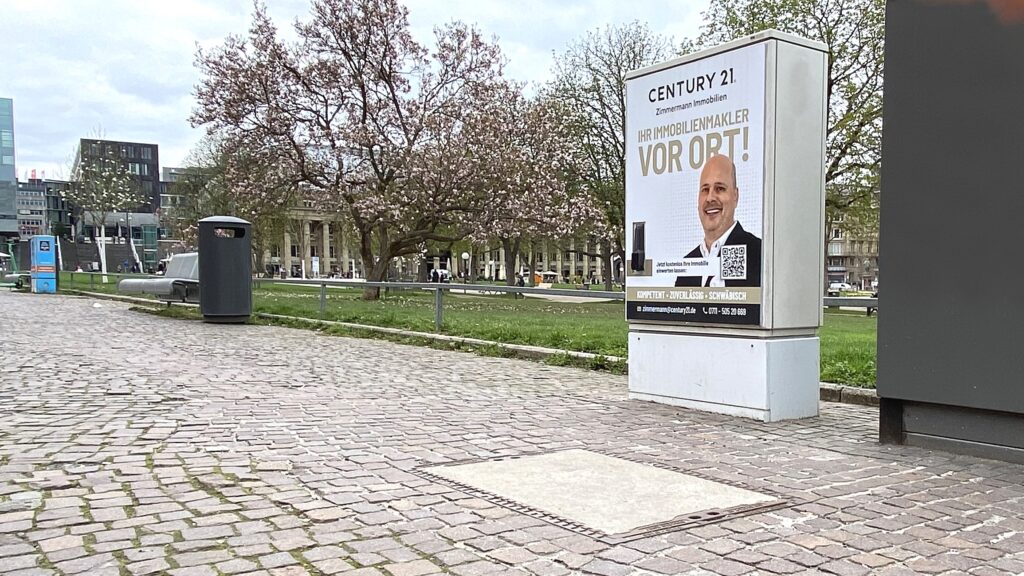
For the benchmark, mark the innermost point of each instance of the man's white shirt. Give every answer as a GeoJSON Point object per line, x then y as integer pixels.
{"type": "Point", "coordinates": [714, 252]}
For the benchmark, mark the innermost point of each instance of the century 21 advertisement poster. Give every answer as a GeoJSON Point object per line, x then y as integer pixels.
{"type": "Point", "coordinates": [695, 190]}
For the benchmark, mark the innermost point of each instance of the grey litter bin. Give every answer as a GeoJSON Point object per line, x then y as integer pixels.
{"type": "Point", "coordinates": [225, 269]}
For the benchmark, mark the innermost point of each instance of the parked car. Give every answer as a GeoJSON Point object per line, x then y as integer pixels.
{"type": "Point", "coordinates": [839, 287]}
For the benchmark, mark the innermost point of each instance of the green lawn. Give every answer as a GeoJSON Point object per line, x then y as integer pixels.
{"type": "Point", "coordinates": [848, 348]}
{"type": "Point", "coordinates": [847, 338]}
{"type": "Point", "coordinates": [597, 327]}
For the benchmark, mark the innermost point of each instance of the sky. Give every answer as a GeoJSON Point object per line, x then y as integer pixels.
{"type": "Point", "coordinates": [124, 69]}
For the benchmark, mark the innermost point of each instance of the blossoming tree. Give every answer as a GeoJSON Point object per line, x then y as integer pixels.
{"type": "Point", "coordinates": [101, 185]}
{"type": "Point", "coordinates": [360, 116]}
{"type": "Point", "coordinates": [531, 172]}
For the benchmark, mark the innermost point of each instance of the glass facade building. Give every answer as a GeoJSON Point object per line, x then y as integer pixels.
{"type": "Point", "coordinates": [8, 173]}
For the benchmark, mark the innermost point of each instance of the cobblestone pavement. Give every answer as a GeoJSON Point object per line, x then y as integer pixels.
{"type": "Point", "coordinates": [131, 444]}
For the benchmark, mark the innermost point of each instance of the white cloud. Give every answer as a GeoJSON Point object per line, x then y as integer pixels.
{"type": "Point", "coordinates": [126, 67]}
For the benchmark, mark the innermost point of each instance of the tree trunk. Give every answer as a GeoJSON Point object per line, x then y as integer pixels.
{"type": "Point", "coordinates": [606, 264]}
{"type": "Point", "coordinates": [100, 239]}
{"type": "Point", "coordinates": [533, 265]}
{"type": "Point", "coordinates": [620, 251]}
{"type": "Point", "coordinates": [372, 268]}
{"type": "Point", "coordinates": [824, 260]}
{"type": "Point", "coordinates": [511, 249]}
{"type": "Point", "coordinates": [422, 271]}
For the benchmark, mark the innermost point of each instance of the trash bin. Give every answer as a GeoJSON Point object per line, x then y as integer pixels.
{"type": "Point", "coordinates": [225, 269]}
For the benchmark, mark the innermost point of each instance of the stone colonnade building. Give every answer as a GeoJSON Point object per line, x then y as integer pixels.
{"type": "Point", "coordinates": [316, 245]}
{"type": "Point", "coordinates": [313, 245]}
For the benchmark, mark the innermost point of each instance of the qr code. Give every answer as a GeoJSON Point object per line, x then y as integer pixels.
{"type": "Point", "coordinates": [734, 262]}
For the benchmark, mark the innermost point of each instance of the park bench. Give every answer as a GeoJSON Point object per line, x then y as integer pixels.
{"type": "Point", "coordinates": [18, 280]}
{"type": "Point", "coordinates": [180, 282]}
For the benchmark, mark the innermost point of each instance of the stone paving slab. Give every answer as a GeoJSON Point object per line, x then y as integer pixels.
{"type": "Point", "coordinates": [601, 493]}
{"type": "Point", "coordinates": [131, 444]}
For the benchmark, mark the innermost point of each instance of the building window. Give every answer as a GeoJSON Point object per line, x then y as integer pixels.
{"type": "Point", "coordinates": [6, 138]}
{"type": "Point", "coordinates": [7, 160]}
{"type": "Point", "coordinates": [837, 233]}
{"type": "Point", "coordinates": [334, 251]}
{"type": "Point", "coordinates": [147, 153]}
{"type": "Point", "coordinates": [295, 251]}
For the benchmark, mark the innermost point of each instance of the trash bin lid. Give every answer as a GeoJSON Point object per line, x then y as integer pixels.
{"type": "Point", "coordinates": [225, 220]}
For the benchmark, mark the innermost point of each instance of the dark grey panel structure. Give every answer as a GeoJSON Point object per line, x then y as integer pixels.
{"type": "Point", "coordinates": [951, 340]}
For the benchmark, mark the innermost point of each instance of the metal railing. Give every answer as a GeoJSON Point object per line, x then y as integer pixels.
{"type": "Point", "coordinates": [871, 304]}
{"type": "Point", "coordinates": [92, 276]}
{"type": "Point", "coordinates": [439, 289]}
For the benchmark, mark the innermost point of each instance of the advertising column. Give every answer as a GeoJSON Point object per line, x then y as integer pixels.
{"type": "Point", "coordinates": [697, 251]}
{"type": "Point", "coordinates": [724, 227]}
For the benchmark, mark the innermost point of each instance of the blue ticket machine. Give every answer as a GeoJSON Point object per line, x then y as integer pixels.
{"type": "Point", "coordinates": [44, 264]}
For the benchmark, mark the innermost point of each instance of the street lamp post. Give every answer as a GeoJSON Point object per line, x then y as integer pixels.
{"type": "Point", "coordinates": [465, 267]}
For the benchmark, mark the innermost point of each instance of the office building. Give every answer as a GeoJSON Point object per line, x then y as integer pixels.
{"type": "Point", "coordinates": [8, 173]}
{"type": "Point", "coordinates": [42, 208]}
{"type": "Point", "coordinates": [140, 160]}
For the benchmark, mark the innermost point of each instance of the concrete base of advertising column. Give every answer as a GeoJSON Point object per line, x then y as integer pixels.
{"type": "Point", "coordinates": [768, 379]}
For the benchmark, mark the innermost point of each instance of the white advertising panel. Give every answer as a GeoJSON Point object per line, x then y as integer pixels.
{"type": "Point", "coordinates": [695, 171]}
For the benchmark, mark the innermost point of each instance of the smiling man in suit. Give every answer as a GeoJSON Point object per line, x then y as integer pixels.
{"type": "Point", "coordinates": [724, 237]}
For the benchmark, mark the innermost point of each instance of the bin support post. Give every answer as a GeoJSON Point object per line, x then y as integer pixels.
{"type": "Point", "coordinates": [438, 309]}
{"type": "Point", "coordinates": [323, 298]}
{"type": "Point", "coordinates": [92, 281]}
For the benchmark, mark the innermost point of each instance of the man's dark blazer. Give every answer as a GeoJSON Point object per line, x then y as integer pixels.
{"type": "Point", "coordinates": [738, 236]}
